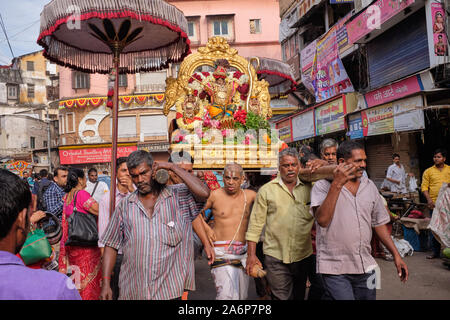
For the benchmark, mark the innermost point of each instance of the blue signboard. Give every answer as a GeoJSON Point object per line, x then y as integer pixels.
{"type": "Point", "coordinates": [355, 128]}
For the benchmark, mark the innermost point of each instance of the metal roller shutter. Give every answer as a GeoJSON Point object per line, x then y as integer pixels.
{"type": "Point", "coordinates": [399, 52]}
{"type": "Point", "coordinates": [379, 157]}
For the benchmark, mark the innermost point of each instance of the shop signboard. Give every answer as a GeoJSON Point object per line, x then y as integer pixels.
{"type": "Point", "coordinates": [284, 130]}
{"type": "Point", "coordinates": [92, 155]}
{"type": "Point", "coordinates": [408, 114]}
{"type": "Point", "coordinates": [374, 16]}
{"type": "Point", "coordinates": [394, 91]}
{"type": "Point", "coordinates": [154, 147]}
{"type": "Point", "coordinates": [303, 126]}
{"type": "Point", "coordinates": [330, 117]}
{"type": "Point", "coordinates": [355, 127]}
{"type": "Point", "coordinates": [378, 120]}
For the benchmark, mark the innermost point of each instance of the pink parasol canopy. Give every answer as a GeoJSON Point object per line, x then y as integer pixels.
{"type": "Point", "coordinates": [98, 36]}
{"type": "Point", "coordinates": [68, 38]}
{"type": "Point", "coordinates": [278, 74]}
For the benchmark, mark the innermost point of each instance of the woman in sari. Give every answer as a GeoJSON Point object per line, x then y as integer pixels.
{"type": "Point", "coordinates": [85, 262]}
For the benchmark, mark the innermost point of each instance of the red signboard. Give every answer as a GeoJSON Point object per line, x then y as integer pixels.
{"type": "Point", "coordinates": [92, 155]}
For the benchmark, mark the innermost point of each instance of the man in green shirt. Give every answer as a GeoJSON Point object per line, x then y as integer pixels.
{"type": "Point", "coordinates": [282, 205]}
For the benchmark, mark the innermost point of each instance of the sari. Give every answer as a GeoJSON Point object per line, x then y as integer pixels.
{"type": "Point", "coordinates": [85, 262]}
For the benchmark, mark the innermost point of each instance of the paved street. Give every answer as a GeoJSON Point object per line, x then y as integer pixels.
{"type": "Point", "coordinates": [428, 280]}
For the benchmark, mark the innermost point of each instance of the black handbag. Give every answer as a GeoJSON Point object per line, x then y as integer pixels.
{"type": "Point", "coordinates": [82, 228]}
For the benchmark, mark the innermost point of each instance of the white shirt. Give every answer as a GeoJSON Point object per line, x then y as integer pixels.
{"type": "Point", "coordinates": [397, 173]}
{"type": "Point", "coordinates": [102, 188]}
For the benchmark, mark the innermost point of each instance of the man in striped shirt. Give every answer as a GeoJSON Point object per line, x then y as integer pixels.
{"type": "Point", "coordinates": [153, 227]}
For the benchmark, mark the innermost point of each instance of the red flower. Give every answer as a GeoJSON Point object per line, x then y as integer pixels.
{"type": "Point", "coordinates": [179, 115]}
{"type": "Point", "coordinates": [191, 80]}
{"type": "Point", "coordinates": [202, 95]}
{"type": "Point", "coordinates": [206, 74]}
{"type": "Point", "coordinates": [195, 92]}
{"type": "Point", "coordinates": [197, 76]}
{"type": "Point", "coordinates": [244, 88]}
{"type": "Point", "coordinates": [109, 104]}
{"type": "Point", "coordinates": [237, 74]}
{"type": "Point", "coordinates": [110, 92]}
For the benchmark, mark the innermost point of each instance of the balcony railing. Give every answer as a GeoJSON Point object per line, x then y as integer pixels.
{"type": "Point", "coordinates": [150, 88]}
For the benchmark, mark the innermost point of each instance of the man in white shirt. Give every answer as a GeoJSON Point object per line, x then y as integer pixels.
{"type": "Point", "coordinates": [96, 189]}
{"type": "Point", "coordinates": [396, 175]}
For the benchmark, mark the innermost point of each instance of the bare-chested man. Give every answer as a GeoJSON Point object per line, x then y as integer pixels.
{"type": "Point", "coordinates": [231, 207]}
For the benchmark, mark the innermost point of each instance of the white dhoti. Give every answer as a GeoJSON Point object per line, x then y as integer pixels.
{"type": "Point", "coordinates": [228, 271]}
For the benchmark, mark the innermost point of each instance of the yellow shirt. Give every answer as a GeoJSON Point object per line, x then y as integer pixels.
{"type": "Point", "coordinates": [433, 178]}
{"type": "Point", "coordinates": [287, 219]}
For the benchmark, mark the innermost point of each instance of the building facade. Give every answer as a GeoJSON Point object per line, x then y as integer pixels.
{"type": "Point", "coordinates": [29, 123]}
{"type": "Point", "coordinates": [377, 72]}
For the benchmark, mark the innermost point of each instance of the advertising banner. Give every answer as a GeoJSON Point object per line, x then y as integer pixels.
{"type": "Point", "coordinates": [378, 120]}
{"type": "Point", "coordinates": [439, 32]}
{"type": "Point", "coordinates": [330, 117]}
{"type": "Point", "coordinates": [303, 126]}
{"type": "Point", "coordinates": [329, 77]}
{"type": "Point", "coordinates": [374, 16]}
{"type": "Point", "coordinates": [92, 155]}
{"type": "Point", "coordinates": [307, 56]}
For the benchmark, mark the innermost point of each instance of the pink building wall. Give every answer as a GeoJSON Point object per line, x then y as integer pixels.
{"type": "Point", "coordinates": [98, 85]}
{"type": "Point", "coordinates": [265, 44]}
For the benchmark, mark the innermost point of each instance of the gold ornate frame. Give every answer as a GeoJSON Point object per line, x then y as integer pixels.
{"type": "Point", "coordinates": [216, 48]}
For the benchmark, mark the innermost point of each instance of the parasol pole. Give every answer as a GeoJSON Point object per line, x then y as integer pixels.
{"type": "Point", "coordinates": [112, 200]}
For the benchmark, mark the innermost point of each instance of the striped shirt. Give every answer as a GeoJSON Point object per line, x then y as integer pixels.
{"type": "Point", "coordinates": [158, 252]}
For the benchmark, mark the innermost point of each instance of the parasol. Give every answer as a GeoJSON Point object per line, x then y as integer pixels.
{"type": "Point", "coordinates": [97, 36]}
{"type": "Point", "coordinates": [278, 74]}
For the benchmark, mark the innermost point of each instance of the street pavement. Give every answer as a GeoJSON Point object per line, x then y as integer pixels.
{"type": "Point", "coordinates": [428, 280]}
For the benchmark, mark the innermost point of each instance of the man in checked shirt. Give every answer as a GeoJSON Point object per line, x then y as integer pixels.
{"type": "Point", "coordinates": [153, 227]}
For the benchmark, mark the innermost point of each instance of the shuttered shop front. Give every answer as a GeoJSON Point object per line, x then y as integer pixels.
{"type": "Point", "coordinates": [379, 157]}
{"type": "Point", "coordinates": [399, 52]}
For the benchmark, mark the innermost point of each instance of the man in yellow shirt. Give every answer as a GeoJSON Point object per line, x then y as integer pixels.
{"type": "Point", "coordinates": [432, 181]}
{"type": "Point", "coordinates": [282, 205]}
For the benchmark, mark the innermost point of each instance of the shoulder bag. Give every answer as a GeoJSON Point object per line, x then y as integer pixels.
{"type": "Point", "coordinates": [82, 228]}
{"type": "Point", "coordinates": [35, 248]}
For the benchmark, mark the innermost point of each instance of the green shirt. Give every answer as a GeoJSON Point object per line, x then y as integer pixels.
{"type": "Point", "coordinates": [287, 219]}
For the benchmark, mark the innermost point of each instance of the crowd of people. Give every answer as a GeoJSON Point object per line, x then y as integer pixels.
{"type": "Point", "coordinates": [286, 233]}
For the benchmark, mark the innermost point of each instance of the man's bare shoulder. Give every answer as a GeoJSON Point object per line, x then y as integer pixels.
{"type": "Point", "coordinates": [216, 193]}
{"type": "Point", "coordinates": [251, 195]}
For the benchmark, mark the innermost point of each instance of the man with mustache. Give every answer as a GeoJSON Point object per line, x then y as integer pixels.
{"type": "Point", "coordinates": [282, 205]}
{"type": "Point", "coordinates": [153, 227]}
{"type": "Point", "coordinates": [231, 206]}
{"type": "Point", "coordinates": [346, 210]}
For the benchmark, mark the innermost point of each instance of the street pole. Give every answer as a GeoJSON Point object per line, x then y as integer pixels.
{"type": "Point", "coordinates": [49, 143]}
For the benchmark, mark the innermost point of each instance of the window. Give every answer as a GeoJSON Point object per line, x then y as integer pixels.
{"type": "Point", "coordinates": [32, 142]}
{"type": "Point", "coordinates": [220, 28]}
{"type": "Point", "coordinates": [126, 127]}
{"type": "Point", "coordinates": [30, 66]}
{"type": "Point", "coordinates": [123, 80]}
{"type": "Point", "coordinates": [30, 90]}
{"type": "Point", "coordinates": [61, 124]}
{"type": "Point", "coordinates": [45, 144]}
{"type": "Point", "coordinates": [153, 125]}
{"type": "Point", "coordinates": [70, 122]}
{"type": "Point", "coordinates": [12, 92]}
{"type": "Point", "coordinates": [191, 29]}
{"type": "Point", "coordinates": [80, 80]}
{"type": "Point", "coordinates": [255, 26]}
